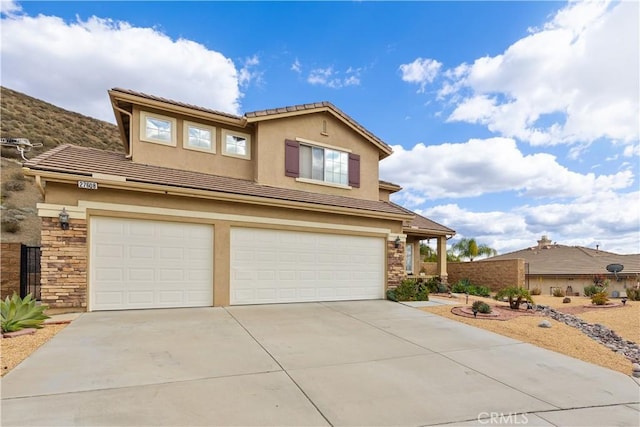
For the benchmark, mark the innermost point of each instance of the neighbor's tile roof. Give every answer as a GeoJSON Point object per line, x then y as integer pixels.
{"type": "Point", "coordinates": [85, 161]}
{"type": "Point", "coordinates": [561, 259]}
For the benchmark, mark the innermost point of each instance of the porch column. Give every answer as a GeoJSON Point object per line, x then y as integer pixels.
{"type": "Point", "coordinates": [442, 258]}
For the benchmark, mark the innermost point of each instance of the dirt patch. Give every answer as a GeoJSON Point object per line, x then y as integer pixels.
{"type": "Point", "coordinates": [15, 350]}
{"type": "Point", "coordinates": [523, 326]}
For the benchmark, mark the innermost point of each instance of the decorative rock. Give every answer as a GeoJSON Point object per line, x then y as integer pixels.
{"type": "Point", "coordinates": [598, 333]}
{"type": "Point", "coordinates": [544, 324]}
{"type": "Point", "coordinates": [566, 300]}
{"type": "Point", "coordinates": [635, 367]}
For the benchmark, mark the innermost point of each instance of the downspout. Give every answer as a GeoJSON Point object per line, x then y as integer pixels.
{"type": "Point", "coordinates": [115, 107]}
{"type": "Point", "coordinates": [38, 181]}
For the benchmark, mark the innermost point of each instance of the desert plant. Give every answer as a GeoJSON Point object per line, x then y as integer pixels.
{"type": "Point", "coordinates": [18, 313]}
{"type": "Point", "coordinates": [14, 185]}
{"type": "Point", "coordinates": [461, 286]}
{"type": "Point", "coordinates": [557, 292]}
{"type": "Point", "coordinates": [633, 294]}
{"type": "Point", "coordinates": [433, 284]}
{"type": "Point", "coordinates": [566, 300]}
{"type": "Point", "coordinates": [515, 296]}
{"type": "Point", "coordinates": [536, 291]}
{"type": "Point", "coordinates": [600, 298]}
{"type": "Point", "coordinates": [481, 307]}
{"type": "Point", "coordinates": [591, 290]}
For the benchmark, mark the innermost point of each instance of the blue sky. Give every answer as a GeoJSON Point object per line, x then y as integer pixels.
{"type": "Point", "coordinates": [509, 120]}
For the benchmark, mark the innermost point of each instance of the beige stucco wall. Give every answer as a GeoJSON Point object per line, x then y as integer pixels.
{"type": "Point", "coordinates": [270, 153]}
{"type": "Point", "coordinates": [178, 157]}
{"type": "Point", "coordinates": [578, 283]}
{"type": "Point", "coordinates": [222, 215]}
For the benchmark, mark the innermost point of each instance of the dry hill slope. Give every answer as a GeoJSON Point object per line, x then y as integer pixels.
{"type": "Point", "coordinates": [23, 116]}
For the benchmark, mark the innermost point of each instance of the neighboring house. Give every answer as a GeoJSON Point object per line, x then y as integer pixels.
{"type": "Point", "coordinates": [207, 208]}
{"type": "Point", "coordinates": [549, 265]}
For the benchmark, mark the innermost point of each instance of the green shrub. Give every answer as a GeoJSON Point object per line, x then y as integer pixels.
{"type": "Point", "coordinates": [557, 292]}
{"type": "Point", "coordinates": [633, 294]}
{"type": "Point", "coordinates": [465, 286]}
{"type": "Point", "coordinates": [515, 296]}
{"type": "Point", "coordinates": [461, 286]}
{"type": "Point", "coordinates": [600, 298]}
{"type": "Point", "coordinates": [591, 290]}
{"type": "Point", "coordinates": [434, 284]}
{"type": "Point", "coordinates": [481, 307]}
{"type": "Point", "coordinates": [410, 290]}
{"type": "Point", "coordinates": [17, 313]}
{"type": "Point", "coordinates": [536, 291]}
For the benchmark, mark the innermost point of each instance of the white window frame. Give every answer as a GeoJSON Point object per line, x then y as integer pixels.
{"type": "Point", "coordinates": [185, 137]}
{"type": "Point", "coordinates": [324, 147]}
{"type": "Point", "coordinates": [144, 115]}
{"type": "Point", "coordinates": [246, 136]}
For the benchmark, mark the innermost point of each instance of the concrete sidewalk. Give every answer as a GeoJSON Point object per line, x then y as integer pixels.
{"type": "Point", "coordinates": [359, 363]}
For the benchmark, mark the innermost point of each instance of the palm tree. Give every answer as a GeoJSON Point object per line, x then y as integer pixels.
{"type": "Point", "coordinates": [468, 248]}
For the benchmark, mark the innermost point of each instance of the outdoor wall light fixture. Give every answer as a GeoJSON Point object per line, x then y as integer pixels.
{"type": "Point", "coordinates": [396, 243]}
{"type": "Point", "coordinates": [64, 219]}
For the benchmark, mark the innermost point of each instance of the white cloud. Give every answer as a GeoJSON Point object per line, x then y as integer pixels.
{"type": "Point", "coordinates": [576, 80]}
{"type": "Point", "coordinates": [606, 218]}
{"type": "Point", "coordinates": [328, 77]}
{"type": "Point", "coordinates": [73, 64]}
{"type": "Point", "coordinates": [479, 167]}
{"type": "Point", "coordinates": [9, 7]}
{"type": "Point", "coordinates": [247, 73]}
{"type": "Point", "coordinates": [296, 66]}
{"type": "Point", "coordinates": [420, 71]}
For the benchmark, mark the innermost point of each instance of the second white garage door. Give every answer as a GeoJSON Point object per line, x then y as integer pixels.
{"type": "Point", "coordinates": [150, 264]}
{"type": "Point", "coordinates": [275, 266]}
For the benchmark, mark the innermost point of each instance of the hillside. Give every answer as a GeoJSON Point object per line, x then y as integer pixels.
{"type": "Point", "coordinates": [23, 116]}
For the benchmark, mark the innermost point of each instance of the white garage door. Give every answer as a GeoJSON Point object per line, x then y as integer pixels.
{"type": "Point", "coordinates": [150, 264]}
{"type": "Point", "coordinates": [271, 266]}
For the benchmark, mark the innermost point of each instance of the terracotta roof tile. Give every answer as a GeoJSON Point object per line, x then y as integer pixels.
{"type": "Point", "coordinates": [422, 223]}
{"type": "Point", "coordinates": [85, 161]}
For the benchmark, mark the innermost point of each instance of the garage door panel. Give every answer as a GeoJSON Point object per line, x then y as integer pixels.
{"type": "Point", "coordinates": [149, 264]}
{"type": "Point", "coordinates": [304, 266]}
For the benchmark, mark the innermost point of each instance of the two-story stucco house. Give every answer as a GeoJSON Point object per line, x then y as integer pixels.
{"type": "Point", "coordinates": [206, 208]}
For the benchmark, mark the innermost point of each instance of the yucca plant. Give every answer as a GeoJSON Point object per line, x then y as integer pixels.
{"type": "Point", "coordinates": [17, 313]}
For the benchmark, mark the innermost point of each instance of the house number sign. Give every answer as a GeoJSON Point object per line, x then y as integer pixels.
{"type": "Point", "coordinates": [88, 185]}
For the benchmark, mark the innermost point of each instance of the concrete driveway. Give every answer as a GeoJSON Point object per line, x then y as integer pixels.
{"type": "Point", "coordinates": [366, 363]}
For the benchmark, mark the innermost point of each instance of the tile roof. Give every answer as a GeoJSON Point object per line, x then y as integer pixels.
{"type": "Point", "coordinates": [561, 259]}
{"type": "Point", "coordinates": [266, 114]}
{"type": "Point", "coordinates": [85, 161]}
{"type": "Point", "coordinates": [176, 103]}
{"type": "Point", "coordinates": [313, 106]}
{"type": "Point", "coordinates": [425, 224]}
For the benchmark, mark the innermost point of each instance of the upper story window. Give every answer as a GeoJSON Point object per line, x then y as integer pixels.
{"type": "Point", "coordinates": [157, 128]}
{"type": "Point", "coordinates": [199, 137]}
{"type": "Point", "coordinates": [324, 164]}
{"type": "Point", "coordinates": [321, 163]}
{"type": "Point", "coordinates": [236, 144]}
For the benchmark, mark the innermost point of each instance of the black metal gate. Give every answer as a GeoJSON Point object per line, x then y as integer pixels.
{"type": "Point", "coordinates": [30, 271]}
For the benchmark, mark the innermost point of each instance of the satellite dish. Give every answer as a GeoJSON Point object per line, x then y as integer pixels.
{"type": "Point", "coordinates": [615, 269]}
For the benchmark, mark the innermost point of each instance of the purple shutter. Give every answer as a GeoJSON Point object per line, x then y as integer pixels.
{"type": "Point", "coordinates": [291, 158]}
{"type": "Point", "coordinates": [354, 170]}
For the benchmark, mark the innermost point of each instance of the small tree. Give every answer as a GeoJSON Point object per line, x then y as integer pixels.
{"type": "Point", "coordinates": [515, 296]}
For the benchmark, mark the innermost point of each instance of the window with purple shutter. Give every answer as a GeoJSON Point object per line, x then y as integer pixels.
{"type": "Point", "coordinates": [354, 170]}
{"type": "Point", "coordinates": [291, 158]}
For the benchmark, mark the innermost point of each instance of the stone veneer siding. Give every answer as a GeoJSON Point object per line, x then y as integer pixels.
{"type": "Point", "coordinates": [395, 264]}
{"type": "Point", "coordinates": [493, 274]}
{"type": "Point", "coordinates": [10, 269]}
{"type": "Point", "coordinates": [64, 264]}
